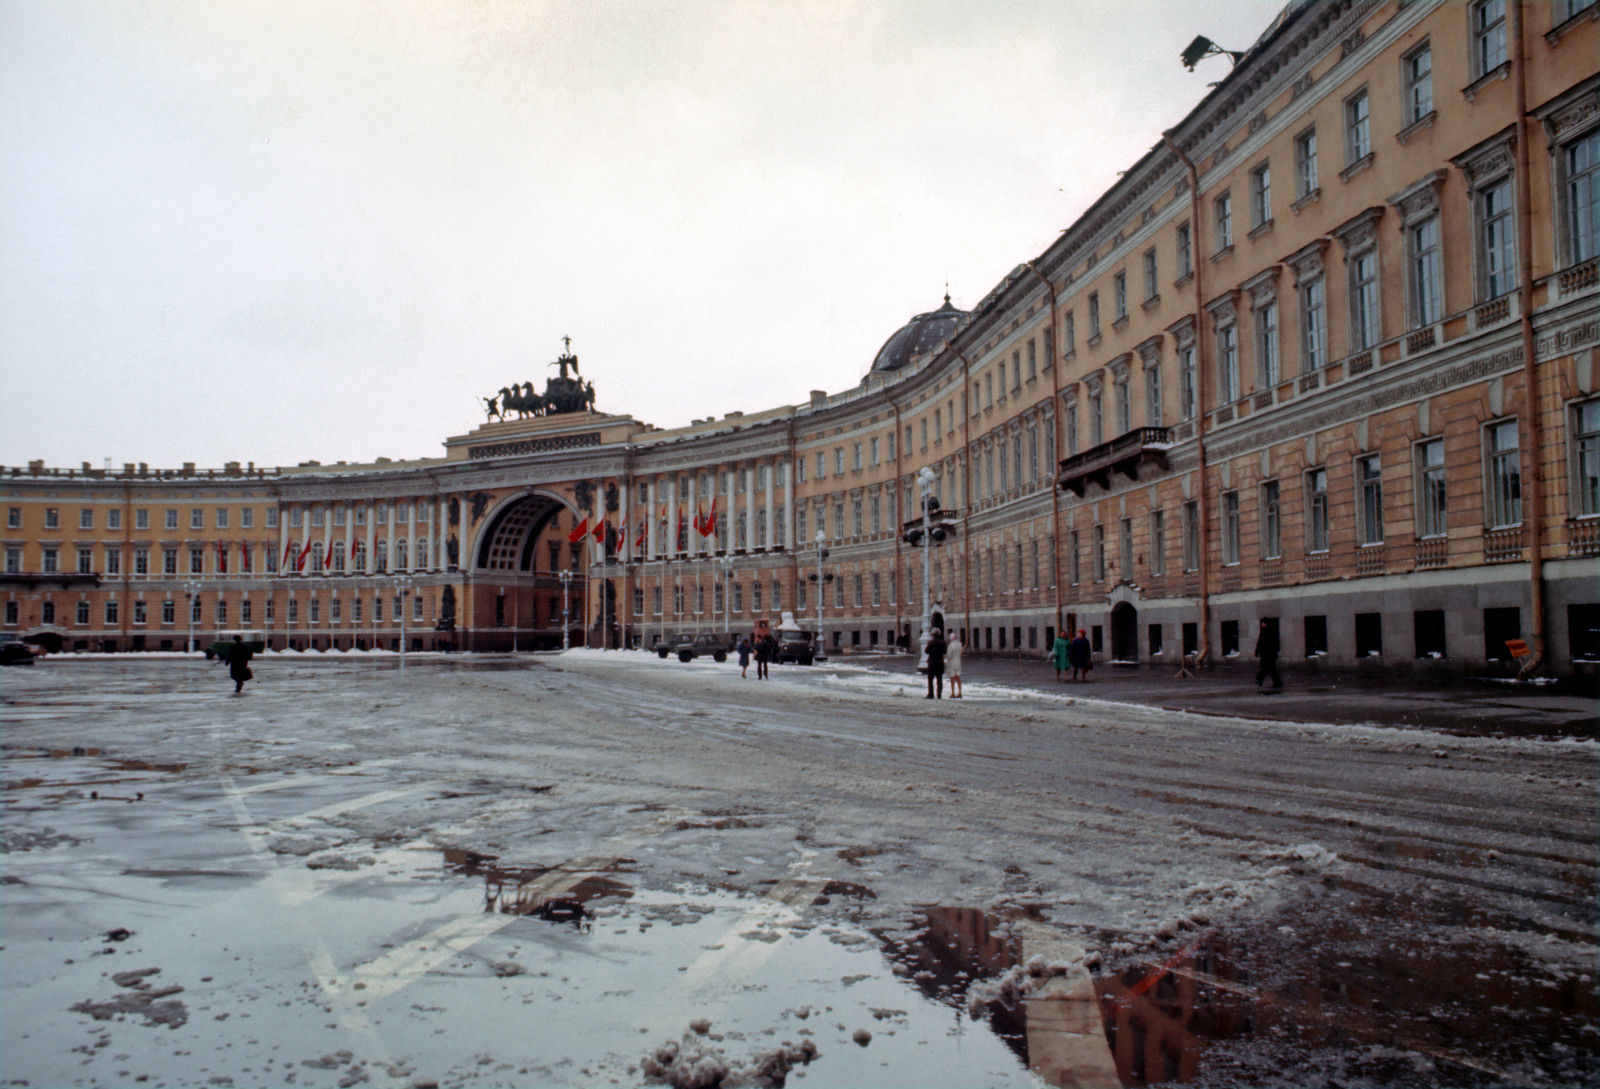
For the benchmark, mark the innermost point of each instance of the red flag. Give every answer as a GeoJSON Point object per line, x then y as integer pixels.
{"type": "Point", "coordinates": [710, 526]}
{"type": "Point", "coordinates": [288, 551]}
{"type": "Point", "coordinates": [579, 531]}
{"type": "Point", "coordinates": [300, 561]}
{"type": "Point", "coordinates": [599, 532]}
{"type": "Point", "coordinates": [622, 537]}
{"type": "Point", "coordinates": [327, 556]}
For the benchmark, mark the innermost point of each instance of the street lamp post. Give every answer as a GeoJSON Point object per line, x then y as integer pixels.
{"type": "Point", "coordinates": [822, 584]}
{"type": "Point", "coordinates": [565, 576]}
{"type": "Point", "coordinates": [192, 588]}
{"type": "Point", "coordinates": [402, 585]}
{"type": "Point", "coordinates": [726, 563]}
{"type": "Point", "coordinates": [925, 479]}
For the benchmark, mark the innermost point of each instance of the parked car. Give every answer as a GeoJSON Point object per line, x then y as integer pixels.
{"type": "Point", "coordinates": [256, 641]}
{"type": "Point", "coordinates": [13, 651]}
{"type": "Point", "coordinates": [796, 646]}
{"type": "Point", "coordinates": [715, 644]}
{"type": "Point", "coordinates": [666, 643]}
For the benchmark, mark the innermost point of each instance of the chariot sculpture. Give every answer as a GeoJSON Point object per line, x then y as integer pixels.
{"type": "Point", "coordinates": [566, 393]}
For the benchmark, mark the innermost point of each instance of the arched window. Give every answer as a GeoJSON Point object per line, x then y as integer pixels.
{"type": "Point", "coordinates": [400, 563]}
{"type": "Point", "coordinates": [422, 552]}
{"type": "Point", "coordinates": [761, 529]}
{"type": "Point", "coordinates": [380, 557]}
{"type": "Point", "coordinates": [358, 556]}
{"type": "Point", "coordinates": [741, 533]}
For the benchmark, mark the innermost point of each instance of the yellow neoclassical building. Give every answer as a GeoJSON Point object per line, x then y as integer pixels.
{"type": "Point", "coordinates": [1323, 357]}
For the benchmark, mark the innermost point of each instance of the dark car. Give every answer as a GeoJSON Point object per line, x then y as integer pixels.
{"type": "Point", "coordinates": [665, 644]}
{"type": "Point", "coordinates": [715, 644]}
{"type": "Point", "coordinates": [13, 651]}
{"type": "Point", "coordinates": [796, 646]}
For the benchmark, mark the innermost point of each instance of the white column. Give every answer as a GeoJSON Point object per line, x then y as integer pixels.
{"type": "Point", "coordinates": [372, 515]}
{"type": "Point", "coordinates": [411, 536]}
{"type": "Point", "coordinates": [694, 512]}
{"type": "Point", "coordinates": [772, 486]}
{"type": "Point", "coordinates": [732, 516]}
{"type": "Point", "coordinates": [597, 549]}
{"type": "Point", "coordinates": [327, 534]}
{"type": "Point", "coordinates": [283, 537]}
{"type": "Point", "coordinates": [652, 524]}
{"type": "Point", "coordinates": [788, 506]}
{"type": "Point", "coordinates": [750, 508]}
{"type": "Point", "coordinates": [627, 520]}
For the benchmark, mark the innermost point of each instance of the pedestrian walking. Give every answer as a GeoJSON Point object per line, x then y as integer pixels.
{"type": "Point", "coordinates": [764, 647]}
{"type": "Point", "coordinates": [937, 648]}
{"type": "Point", "coordinates": [238, 660]}
{"type": "Point", "coordinates": [1080, 656]}
{"type": "Point", "coordinates": [1267, 651]}
{"type": "Point", "coordinates": [744, 655]}
{"type": "Point", "coordinates": [1058, 653]}
{"type": "Point", "coordinates": [952, 664]}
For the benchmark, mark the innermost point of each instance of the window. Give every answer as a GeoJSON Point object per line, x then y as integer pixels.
{"type": "Point", "coordinates": [1125, 547]}
{"type": "Point", "coordinates": [1369, 476]}
{"type": "Point", "coordinates": [1580, 191]}
{"type": "Point", "coordinates": [197, 519]}
{"type": "Point", "coordinates": [1230, 527]}
{"type": "Point", "coordinates": [13, 560]}
{"type": "Point", "coordinates": [1428, 632]}
{"type": "Point", "coordinates": [111, 612]}
{"type": "Point", "coordinates": [86, 518]}
{"type": "Point", "coordinates": [13, 517]}
{"type": "Point", "coordinates": [83, 612]}
{"type": "Point", "coordinates": [114, 518]}
{"type": "Point", "coordinates": [1016, 370]}
{"type": "Point", "coordinates": [1191, 536]}
{"type": "Point", "coordinates": [838, 461]}
{"type": "Point", "coordinates": [1267, 344]}
{"type": "Point", "coordinates": [114, 561]}
{"type": "Point", "coordinates": [1152, 395]}
{"type": "Point", "coordinates": [1426, 275]}
{"type": "Point", "coordinates": [141, 519]}
{"type": "Point", "coordinates": [1223, 208]}
{"type": "Point", "coordinates": [855, 458]}
{"type": "Point", "coordinates": [1313, 325]}
{"type": "Point", "coordinates": [1317, 510]}
{"type": "Point", "coordinates": [1158, 543]}
{"type": "Point", "coordinates": [1418, 73]}
{"type": "Point", "coordinates": [1189, 389]}
{"type": "Point", "coordinates": [1430, 488]}
{"type": "Point", "coordinates": [1072, 346]}
{"type": "Point", "coordinates": [1033, 361]}
{"type": "Point", "coordinates": [1261, 196]}
{"type": "Point", "coordinates": [247, 518]}
{"type": "Point", "coordinates": [272, 517]}
{"type": "Point", "coordinates": [1357, 128]}
{"type": "Point", "coordinates": [1151, 287]}
{"type": "Point", "coordinates": [1228, 363]}
{"type": "Point", "coordinates": [822, 466]}
{"type": "Point", "coordinates": [52, 518]}
{"type": "Point", "coordinates": [1495, 224]}
{"type": "Point", "coordinates": [222, 517]}
{"type": "Point", "coordinates": [1099, 553]}
{"type": "Point", "coordinates": [86, 561]}
{"type": "Point", "coordinates": [1071, 411]}
{"type": "Point", "coordinates": [1305, 164]}
{"type": "Point", "coordinates": [1124, 406]}
{"type": "Point", "coordinates": [1271, 522]}
{"type": "Point", "coordinates": [52, 561]}
{"type": "Point", "coordinates": [1119, 295]}
{"type": "Point", "coordinates": [1505, 475]}
{"type": "Point", "coordinates": [1364, 327]}
{"type": "Point", "coordinates": [1185, 253]}
{"type": "Point", "coordinates": [172, 519]}
{"type": "Point", "coordinates": [1094, 315]}
{"type": "Point", "coordinates": [169, 612]}
{"type": "Point", "coordinates": [1488, 36]}
{"type": "Point", "coordinates": [1074, 566]}
{"type": "Point", "coordinates": [1096, 418]}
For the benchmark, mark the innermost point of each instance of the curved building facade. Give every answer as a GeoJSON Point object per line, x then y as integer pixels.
{"type": "Point", "coordinates": [1324, 357]}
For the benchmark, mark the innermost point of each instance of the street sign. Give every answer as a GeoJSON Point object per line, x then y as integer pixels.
{"type": "Point", "coordinates": [1517, 647]}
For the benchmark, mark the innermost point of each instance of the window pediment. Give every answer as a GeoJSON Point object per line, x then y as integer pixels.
{"type": "Point", "coordinates": [1420, 199]}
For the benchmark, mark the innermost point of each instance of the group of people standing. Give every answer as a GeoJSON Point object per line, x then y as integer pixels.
{"type": "Point", "coordinates": [944, 658]}
{"type": "Point", "coordinates": [1076, 655]}
{"type": "Point", "coordinates": [763, 648]}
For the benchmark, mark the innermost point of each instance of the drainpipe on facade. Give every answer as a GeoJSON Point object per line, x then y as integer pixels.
{"type": "Point", "coordinates": [1202, 383]}
{"type": "Point", "coordinates": [1055, 416]}
{"type": "Point", "coordinates": [1532, 437]}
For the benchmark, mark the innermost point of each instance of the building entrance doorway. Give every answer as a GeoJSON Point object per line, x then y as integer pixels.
{"type": "Point", "coordinates": [1124, 632]}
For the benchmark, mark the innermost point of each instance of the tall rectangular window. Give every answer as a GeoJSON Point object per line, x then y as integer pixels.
{"type": "Point", "coordinates": [1158, 543]}
{"type": "Point", "coordinates": [1230, 527]}
{"type": "Point", "coordinates": [1313, 325]}
{"type": "Point", "coordinates": [1191, 536]}
{"type": "Point", "coordinates": [1071, 331]}
{"type": "Point", "coordinates": [1096, 419]}
{"type": "Point", "coordinates": [1152, 395]}
{"type": "Point", "coordinates": [1357, 127]}
{"type": "Point", "coordinates": [1188, 389]}
{"type": "Point", "coordinates": [1418, 72]}
{"type": "Point", "coordinates": [1223, 209]}
{"type": "Point", "coordinates": [1267, 344]}
{"type": "Point", "coordinates": [1124, 402]}
{"type": "Point", "coordinates": [1074, 560]}
{"type": "Point", "coordinates": [1099, 553]}
{"type": "Point", "coordinates": [1496, 225]}
{"type": "Point", "coordinates": [1152, 286]}
{"type": "Point", "coordinates": [1119, 295]}
{"type": "Point", "coordinates": [1427, 305]}
{"type": "Point", "coordinates": [1586, 449]}
{"type": "Point", "coordinates": [1094, 315]}
{"type": "Point", "coordinates": [1580, 161]}
{"type": "Point", "coordinates": [1369, 475]}
{"type": "Point", "coordinates": [1488, 36]}
{"type": "Point", "coordinates": [1185, 252]}
{"type": "Point", "coordinates": [1260, 195]}
{"type": "Point", "coordinates": [1271, 521]}
{"type": "Point", "coordinates": [1430, 489]}
{"type": "Point", "coordinates": [1317, 510]}
{"type": "Point", "coordinates": [1305, 163]}
{"type": "Point", "coordinates": [1364, 327]}
{"type": "Point", "coordinates": [1505, 475]}
{"type": "Point", "coordinates": [1228, 363]}
{"type": "Point", "coordinates": [1125, 548]}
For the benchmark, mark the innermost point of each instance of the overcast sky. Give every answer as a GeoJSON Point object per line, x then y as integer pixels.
{"type": "Point", "coordinates": [287, 230]}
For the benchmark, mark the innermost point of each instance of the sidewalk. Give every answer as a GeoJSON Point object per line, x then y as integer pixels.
{"type": "Point", "coordinates": [1460, 705]}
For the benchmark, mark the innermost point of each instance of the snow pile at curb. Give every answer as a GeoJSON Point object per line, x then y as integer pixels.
{"type": "Point", "coordinates": [1020, 982]}
{"type": "Point", "coordinates": [694, 1063]}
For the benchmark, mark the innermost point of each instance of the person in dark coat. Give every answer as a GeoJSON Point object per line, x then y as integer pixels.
{"type": "Point", "coordinates": [1267, 651]}
{"type": "Point", "coordinates": [238, 660]}
{"type": "Point", "coordinates": [765, 645]}
{"type": "Point", "coordinates": [1080, 655]}
{"type": "Point", "coordinates": [936, 651]}
{"type": "Point", "coordinates": [744, 655]}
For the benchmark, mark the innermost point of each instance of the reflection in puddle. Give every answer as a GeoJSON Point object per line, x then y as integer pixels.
{"type": "Point", "coordinates": [529, 890]}
{"type": "Point", "coordinates": [1356, 988]}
